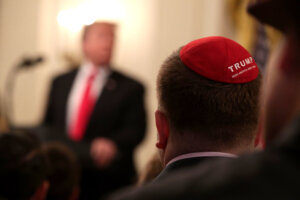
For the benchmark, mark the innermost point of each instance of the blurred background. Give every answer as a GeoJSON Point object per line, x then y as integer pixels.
{"type": "Point", "coordinates": [148, 31]}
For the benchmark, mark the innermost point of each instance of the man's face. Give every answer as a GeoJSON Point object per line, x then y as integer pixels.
{"type": "Point", "coordinates": [98, 43]}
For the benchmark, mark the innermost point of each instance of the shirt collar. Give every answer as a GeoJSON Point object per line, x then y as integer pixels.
{"type": "Point", "coordinates": [201, 154]}
{"type": "Point", "coordinates": [87, 67]}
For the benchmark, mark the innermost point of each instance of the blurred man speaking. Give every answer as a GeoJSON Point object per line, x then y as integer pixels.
{"type": "Point", "coordinates": [101, 107]}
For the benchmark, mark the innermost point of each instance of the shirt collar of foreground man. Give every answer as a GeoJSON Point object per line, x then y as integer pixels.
{"type": "Point", "coordinates": [201, 154]}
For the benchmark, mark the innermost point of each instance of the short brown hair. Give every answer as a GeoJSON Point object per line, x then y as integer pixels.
{"type": "Point", "coordinates": [225, 113]}
{"type": "Point", "coordinates": [86, 28]}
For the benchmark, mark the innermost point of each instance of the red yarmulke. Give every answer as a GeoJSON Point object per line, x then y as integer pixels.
{"type": "Point", "coordinates": [219, 59]}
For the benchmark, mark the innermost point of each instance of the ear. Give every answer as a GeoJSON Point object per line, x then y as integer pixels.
{"type": "Point", "coordinates": [163, 128]}
{"type": "Point", "coordinates": [41, 191]}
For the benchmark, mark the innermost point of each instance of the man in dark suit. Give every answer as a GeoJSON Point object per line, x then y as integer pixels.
{"type": "Point", "coordinates": [274, 173]}
{"type": "Point", "coordinates": [100, 113]}
{"type": "Point", "coordinates": [208, 109]}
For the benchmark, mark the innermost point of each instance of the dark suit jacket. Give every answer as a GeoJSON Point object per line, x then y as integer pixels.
{"type": "Point", "coordinates": [273, 174]}
{"type": "Point", "coordinates": [119, 115]}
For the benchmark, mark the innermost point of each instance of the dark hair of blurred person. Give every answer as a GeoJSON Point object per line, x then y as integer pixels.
{"type": "Point", "coordinates": [63, 174]}
{"type": "Point", "coordinates": [23, 168]}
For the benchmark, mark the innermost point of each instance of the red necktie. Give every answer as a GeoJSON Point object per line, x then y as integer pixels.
{"type": "Point", "coordinates": [85, 109]}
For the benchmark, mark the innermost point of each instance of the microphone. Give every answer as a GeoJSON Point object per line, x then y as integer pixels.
{"type": "Point", "coordinates": [25, 63]}
{"type": "Point", "coordinates": [29, 62]}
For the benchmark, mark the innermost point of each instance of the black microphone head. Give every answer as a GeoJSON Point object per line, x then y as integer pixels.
{"type": "Point", "coordinates": [28, 62]}
{"type": "Point", "coordinates": [39, 59]}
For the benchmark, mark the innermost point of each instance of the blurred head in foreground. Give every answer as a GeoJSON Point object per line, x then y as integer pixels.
{"type": "Point", "coordinates": [23, 168]}
{"type": "Point", "coordinates": [63, 173]}
{"type": "Point", "coordinates": [282, 87]}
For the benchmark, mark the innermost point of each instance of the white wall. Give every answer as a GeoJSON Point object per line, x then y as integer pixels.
{"type": "Point", "coordinates": [149, 32]}
{"type": "Point", "coordinates": [18, 26]}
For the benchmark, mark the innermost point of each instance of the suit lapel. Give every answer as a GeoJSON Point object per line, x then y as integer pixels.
{"type": "Point", "coordinates": [104, 99]}
{"type": "Point", "coordinates": [66, 89]}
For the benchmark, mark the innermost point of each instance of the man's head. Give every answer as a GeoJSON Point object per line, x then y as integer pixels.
{"type": "Point", "coordinates": [282, 98]}
{"type": "Point", "coordinates": [23, 168]}
{"type": "Point", "coordinates": [208, 95]}
{"type": "Point", "coordinates": [63, 173]}
{"type": "Point", "coordinates": [97, 42]}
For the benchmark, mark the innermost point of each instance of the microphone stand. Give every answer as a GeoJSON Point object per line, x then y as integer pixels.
{"type": "Point", "coordinates": [8, 92]}
{"type": "Point", "coordinates": [9, 89]}
{"type": "Point", "coordinates": [3, 122]}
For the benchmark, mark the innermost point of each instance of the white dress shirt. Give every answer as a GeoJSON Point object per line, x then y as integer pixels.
{"type": "Point", "coordinates": [201, 154]}
{"type": "Point", "coordinates": [79, 85]}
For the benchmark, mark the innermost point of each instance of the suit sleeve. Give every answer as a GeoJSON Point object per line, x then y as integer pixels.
{"type": "Point", "coordinates": [48, 117]}
{"type": "Point", "coordinates": [133, 125]}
